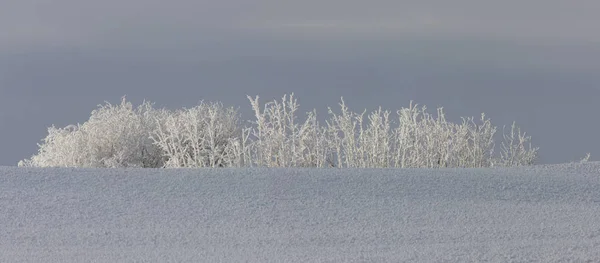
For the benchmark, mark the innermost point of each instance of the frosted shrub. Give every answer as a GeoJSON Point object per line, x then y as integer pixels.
{"type": "Point", "coordinates": [420, 139]}
{"type": "Point", "coordinates": [516, 148]}
{"type": "Point", "coordinates": [279, 141]}
{"type": "Point", "coordinates": [114, 136]}
{"type": "Point", "coordinates": [123, 136]}
{"type": "Point", "coordinates": [204, 136]}
{"type": "Point", "coordinates": [61, 147]}
{"type": "Point", "coordinates": [376, 139]}
{"type": "Point", "coordinates": [343, 135]}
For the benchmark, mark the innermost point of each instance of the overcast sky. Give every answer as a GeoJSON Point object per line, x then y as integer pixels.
{"type": "Point", "coordinates": [534, 61]}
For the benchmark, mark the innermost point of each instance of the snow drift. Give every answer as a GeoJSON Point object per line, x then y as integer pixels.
{"type": "Point", "coordinates": [534, 213]}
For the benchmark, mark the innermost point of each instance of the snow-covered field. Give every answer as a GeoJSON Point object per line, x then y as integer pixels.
{"type": "Point", "coordinates": [532, 214]}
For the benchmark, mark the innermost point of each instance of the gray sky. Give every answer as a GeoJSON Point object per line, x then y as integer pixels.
{"type": "Point", "coordinates": [535, 61]}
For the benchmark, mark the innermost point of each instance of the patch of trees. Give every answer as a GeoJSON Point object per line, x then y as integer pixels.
{"type": "Point", "coordinates": [212, 135]}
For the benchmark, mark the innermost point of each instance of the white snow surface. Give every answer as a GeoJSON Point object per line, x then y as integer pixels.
{"type": "Point", "coordinates": [531, 214]}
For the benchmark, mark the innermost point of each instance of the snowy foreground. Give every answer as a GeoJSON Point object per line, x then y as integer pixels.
{"type": "Point", "coordinates": [537, 214]}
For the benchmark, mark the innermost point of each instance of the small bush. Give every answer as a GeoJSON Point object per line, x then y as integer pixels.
{"type": "Point", "coordinates": [114, 136]}
{"type": "Point", "coordinates": [203, 136]}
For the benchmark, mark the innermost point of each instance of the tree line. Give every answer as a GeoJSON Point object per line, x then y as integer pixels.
{"type": "Point", "coordinates": [212, 135]}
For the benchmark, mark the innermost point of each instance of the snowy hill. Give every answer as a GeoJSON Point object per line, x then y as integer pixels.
{"type": "Point", "coordinates": [540, 213]}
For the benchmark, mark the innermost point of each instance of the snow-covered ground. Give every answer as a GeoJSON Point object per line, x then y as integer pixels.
{"type": "Point", "coordinates": [538, 214]}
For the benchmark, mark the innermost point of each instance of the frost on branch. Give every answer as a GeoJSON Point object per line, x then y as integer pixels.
{"type": "Point", "coordinates": [114, 136]}
{"type": "Point", "coordinates": [516, 148]}
{"type": "Point", "coordinates": [278, 140]}
{"type": "Point", "coordinates": [211, 135]}
{"type": "Point", "coordinates": [203, 136]}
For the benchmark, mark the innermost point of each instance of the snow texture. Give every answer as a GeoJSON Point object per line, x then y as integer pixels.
{"type": "Point", "coordinates": [526, 214]}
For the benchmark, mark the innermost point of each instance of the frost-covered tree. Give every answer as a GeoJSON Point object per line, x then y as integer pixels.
{"type": "Point", "coordinates": [123, 136]}
{"type": "Point", "coordinates": [203, 136]}
{"type": "Point", "coordinates": [114, 136]}
{"type": "Point", "coordinates": [419, 139]}
{"type": "Point", "coordinates": [278, 140]}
